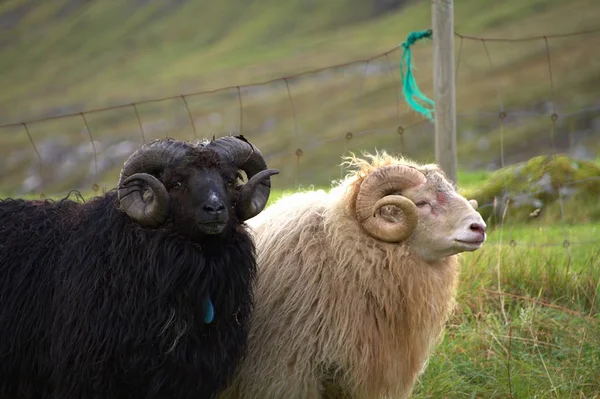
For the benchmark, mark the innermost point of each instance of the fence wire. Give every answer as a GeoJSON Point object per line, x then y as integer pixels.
{"type": "Point", "coordinates": [298, 121]}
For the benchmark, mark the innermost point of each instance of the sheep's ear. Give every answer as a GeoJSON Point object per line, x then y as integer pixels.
{"type": "Point", "coordinates": [474, 204]}
{"type": "Point", "coordinates": [147, 207]}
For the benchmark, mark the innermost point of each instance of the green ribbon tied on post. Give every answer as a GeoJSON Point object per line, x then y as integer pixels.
{"type": "Point", "coordinates": [417, 100]}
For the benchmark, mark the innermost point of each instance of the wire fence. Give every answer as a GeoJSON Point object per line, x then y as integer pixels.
{"type": "Point", "coordinates": [305, 122]}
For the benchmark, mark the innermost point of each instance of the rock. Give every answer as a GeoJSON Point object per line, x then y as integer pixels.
{"type": "Point", "coordinates": [537, 185]}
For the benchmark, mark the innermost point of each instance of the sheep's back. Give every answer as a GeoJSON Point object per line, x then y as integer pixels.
{"type": "Point", "coordinates": [32, 237]}
{"type": "Point", "coordinates": [309, 311]}
{"type": "Point", "coordinates": [284, 337]}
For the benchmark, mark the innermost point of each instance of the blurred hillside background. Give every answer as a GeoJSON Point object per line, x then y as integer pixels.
{"type": "Point", "coordinates": [71, 56]}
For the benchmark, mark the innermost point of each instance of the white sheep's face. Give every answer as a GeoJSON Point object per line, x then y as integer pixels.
{"type": "Point", "coordinates": [448, 223]}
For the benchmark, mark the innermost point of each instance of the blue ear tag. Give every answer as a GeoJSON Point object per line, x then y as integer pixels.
{"type": "Point", "coordinates": [209, 311]}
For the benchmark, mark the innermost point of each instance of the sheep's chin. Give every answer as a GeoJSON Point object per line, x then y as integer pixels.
{"type": "Point", "coordinates": [431, 255]}
{"type": "Point", "coordinates": [467, 246]}
{"type": "Point", "coordinates": [453, 247]}
{"type": "Point", "coordinates": [212, 228]}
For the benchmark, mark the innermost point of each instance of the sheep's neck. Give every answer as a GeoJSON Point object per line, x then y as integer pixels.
{"type": "Point", "coordinates": [405, 305]}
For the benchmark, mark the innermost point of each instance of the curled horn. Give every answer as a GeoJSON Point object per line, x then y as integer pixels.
{"type": "Point", "coordinates": [379, 189]}
{"type": "Point", "coordinates": [255, 193]}
{"type": "Point", "coordinates": [141, 195]}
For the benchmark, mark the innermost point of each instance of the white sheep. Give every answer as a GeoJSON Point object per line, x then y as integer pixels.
{"type": "Point", "coordinates": [355, 285]}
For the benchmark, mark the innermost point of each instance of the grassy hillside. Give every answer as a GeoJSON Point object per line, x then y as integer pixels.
{"type": "Point", "coordinates": [71, 56]}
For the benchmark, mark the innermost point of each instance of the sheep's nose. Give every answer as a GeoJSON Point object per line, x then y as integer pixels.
{"type": "Point", "coordinates": [213, 205]}
{"type": "Point", "coordinates": [477, 227]}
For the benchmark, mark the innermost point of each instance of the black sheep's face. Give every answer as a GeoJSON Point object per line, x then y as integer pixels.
{"type": "Point", "coordinates": [195, 189]}
{"type": "Point", "coordinates": [202, 198]}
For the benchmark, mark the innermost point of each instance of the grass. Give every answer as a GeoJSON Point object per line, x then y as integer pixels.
{"type": "Point", "coordinates": [527, 322]}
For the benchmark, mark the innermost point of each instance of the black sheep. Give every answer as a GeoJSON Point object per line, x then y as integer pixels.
{"type": "Point", "coordinates": [144, 292]}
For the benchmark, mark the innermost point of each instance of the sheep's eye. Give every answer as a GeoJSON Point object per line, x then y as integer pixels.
{"type": "Point", "coordinates": [176, 185]}
{"type": "Point", "coordinates": [231, 182]}
{"type": "Point", "coordinates": [421, 203]}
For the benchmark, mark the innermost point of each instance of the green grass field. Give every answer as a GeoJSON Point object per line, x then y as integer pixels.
{"type": "Point", "coordinates": [527, 323]}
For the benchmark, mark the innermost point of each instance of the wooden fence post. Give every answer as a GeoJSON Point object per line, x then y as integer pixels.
{"type": "Point", "coordinates": [444, 86]}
